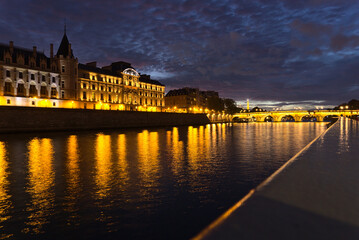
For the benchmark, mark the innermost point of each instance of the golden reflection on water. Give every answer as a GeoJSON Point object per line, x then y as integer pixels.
{"type": "Point", "coordinates": [5, 203]}
{"type": "Point", "coordinates": [73, 179]}
{"type": "Point", "coordinates": [103, 165]}
{"type": "Point", "coordinates": [41, 178]}
{"type": "Point", "coordinates": [176, 148]}
{"type": "Point", "coordinates": [122, 160]}
{"type": "Point", "coordinates": [148, 150]}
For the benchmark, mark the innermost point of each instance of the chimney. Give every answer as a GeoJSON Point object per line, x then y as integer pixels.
{"type": "Point", "coordinates": [51, 50]}
{"type": "Point", "coordinates": [34, 50]}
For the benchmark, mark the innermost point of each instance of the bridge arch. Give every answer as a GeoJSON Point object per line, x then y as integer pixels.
{"type": "Point", "coordinates": [308, 118]}
{"type": "Point", "coordinates": [268, 118]}
{"type": "Point", "coordinates": [287, 118]}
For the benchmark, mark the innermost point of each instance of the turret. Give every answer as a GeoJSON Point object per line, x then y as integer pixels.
{"type": "Point", "coordinates": [68, 66]}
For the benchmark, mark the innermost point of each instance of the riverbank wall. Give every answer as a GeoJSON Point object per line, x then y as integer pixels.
{"type": "Point", "coordinates": [315, 195]}
{"type": "Point", "coordinates": [25, 119]}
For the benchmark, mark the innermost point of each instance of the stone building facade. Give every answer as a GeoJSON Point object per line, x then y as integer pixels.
{"type": "Point", "coordinates": [188, 100]}
{"type": "Point", "coordinates": [30, 78]}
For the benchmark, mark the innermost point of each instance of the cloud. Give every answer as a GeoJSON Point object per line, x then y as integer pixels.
{"type": "Point", "coordinates": [279, 50]}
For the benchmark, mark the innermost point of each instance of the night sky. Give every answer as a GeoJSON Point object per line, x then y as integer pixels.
{"type": "Point", "coordinates": [286, 54]}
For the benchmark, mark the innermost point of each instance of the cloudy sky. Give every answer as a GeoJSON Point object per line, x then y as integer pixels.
{"type": "Point", "coordinates": [288, 53]}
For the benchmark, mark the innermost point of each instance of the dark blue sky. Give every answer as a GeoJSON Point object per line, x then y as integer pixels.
{"type": "Point", "coordinates": [286, 53]}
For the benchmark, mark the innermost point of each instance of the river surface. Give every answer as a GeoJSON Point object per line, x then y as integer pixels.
{"type": "Point", "coordinates": [160, 183]}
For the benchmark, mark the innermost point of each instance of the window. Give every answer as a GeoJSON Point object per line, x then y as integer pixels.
{"type": "Point", "coordinates": [101, 96]}
{"type": "Point", "coordinates": [7, 73]}
{"type": "Point", "coordinates": [84, 85]}
{"type": "Point", "coordinates": [53, 79]}
{"type": "Point", "coordinates": [20, 89]}
{"type": "Point", "coordinates": [43, 91]}
{"type": "Point", "coordinates": [8, 101]}
{"type": "Point", "coordinates": [62, 84]}
{"type": "Point", "coordinates": [85, 106]}
{"type": "Point", "coordinates": [32, 76]}
{"type": "Point", "coordinates": [93, 77]}
{"type": "Point", "coordinates": [43, 78]}
{"type": "Point", "coordinates": [109, 89]}
{"type": "Point", "coordinates": [84, 96]}
{"type": "Point", "coordinates": [109, 98]}
{"type": "Point", "coordinates": [33, 90]}
{"type": "Point", "coordinates": [7, 88]}
{"type": "Point", "coordinates": [93, 87]}
{"type": "Point", "coordinates": [7, 60]}
{"type": "Point", "coordinates": [63, 69]}
{"type": "Point", "coordinates": [20, 75]}
{"type": "Point", "coordinates": [101, 88]}
{"type": "Point", "coordinates": [62, 94]}
{"type": "Point", "coordinates": [33, 103]}
{"type": "Point", "coordinates": [32, 64]}
{"type": "Point", "coordinates": [54, 104]}
{"type": "Point", "coordinates": [53, 92]}
{"type": "Point", "coordinates": [116, 81]}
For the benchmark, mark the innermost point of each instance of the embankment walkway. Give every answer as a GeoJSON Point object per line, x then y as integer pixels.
{"type": "Point", "coordinates": [315, 195]}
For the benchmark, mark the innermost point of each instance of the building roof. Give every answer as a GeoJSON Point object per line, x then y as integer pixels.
{"type": "Point", "coordinates": [26, 53]}
{"type": "Point", "coordinates": [182, 91]}
{"type": "Point", "coordinates": [147, 79]}
{"type": "Point", "coordinates": [106, 71]}
{"type": "Point", "coordinates": [64, 47]}
{"type": "Point", "coordinates": [97, 70]}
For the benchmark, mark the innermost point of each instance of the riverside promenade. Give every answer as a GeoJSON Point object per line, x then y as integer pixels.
{"type": "Point", "coordinates": [315, 195]}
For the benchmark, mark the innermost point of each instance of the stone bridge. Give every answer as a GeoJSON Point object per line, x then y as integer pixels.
{"type": "Point", "coordinates": [277, 116]}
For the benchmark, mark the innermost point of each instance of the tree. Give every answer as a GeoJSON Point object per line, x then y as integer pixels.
{"type": "Point", "coordinates": [215, 103]}
{"type": "Point", "coordinates": [230, 106]}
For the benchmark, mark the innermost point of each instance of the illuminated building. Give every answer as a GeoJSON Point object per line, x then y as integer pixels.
{"type": "Point", "coordinates": [188, 99]}
{"type": "Point", "coordinates": [30, 78]}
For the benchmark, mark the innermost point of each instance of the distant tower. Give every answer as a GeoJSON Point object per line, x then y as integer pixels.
{"type": "Point", "coordinates": [67, 65]}
{"type": "Point", "coordinates": [247, 104]}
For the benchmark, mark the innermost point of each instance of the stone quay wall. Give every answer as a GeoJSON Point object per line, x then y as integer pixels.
{"type": "Point", "coordinates": [23, 119]}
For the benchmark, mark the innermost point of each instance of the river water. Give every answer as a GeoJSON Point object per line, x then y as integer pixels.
{"type": "Point", "coordinates": [161, 183]}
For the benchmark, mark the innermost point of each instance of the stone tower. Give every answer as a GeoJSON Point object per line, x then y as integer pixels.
{"type": "Point", "coordinates": [68, 66]}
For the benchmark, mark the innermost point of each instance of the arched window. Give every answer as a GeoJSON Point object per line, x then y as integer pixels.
{"type": "Point", "coordinates": [43, 91]}
{"type": "Point", "coordinates": [8, 88]}
{"type": "Point", "coordinates": [33, 90]}
{"type": "Point", "coordinates": [20, 89]}
{"type": "Point", "coordinates": [53, 92]}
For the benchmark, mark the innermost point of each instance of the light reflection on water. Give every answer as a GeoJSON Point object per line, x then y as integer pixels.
{"type": "Point", "coordinates": [40, 185]}
{"type": "Point", "coordinates": [165, 183]}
